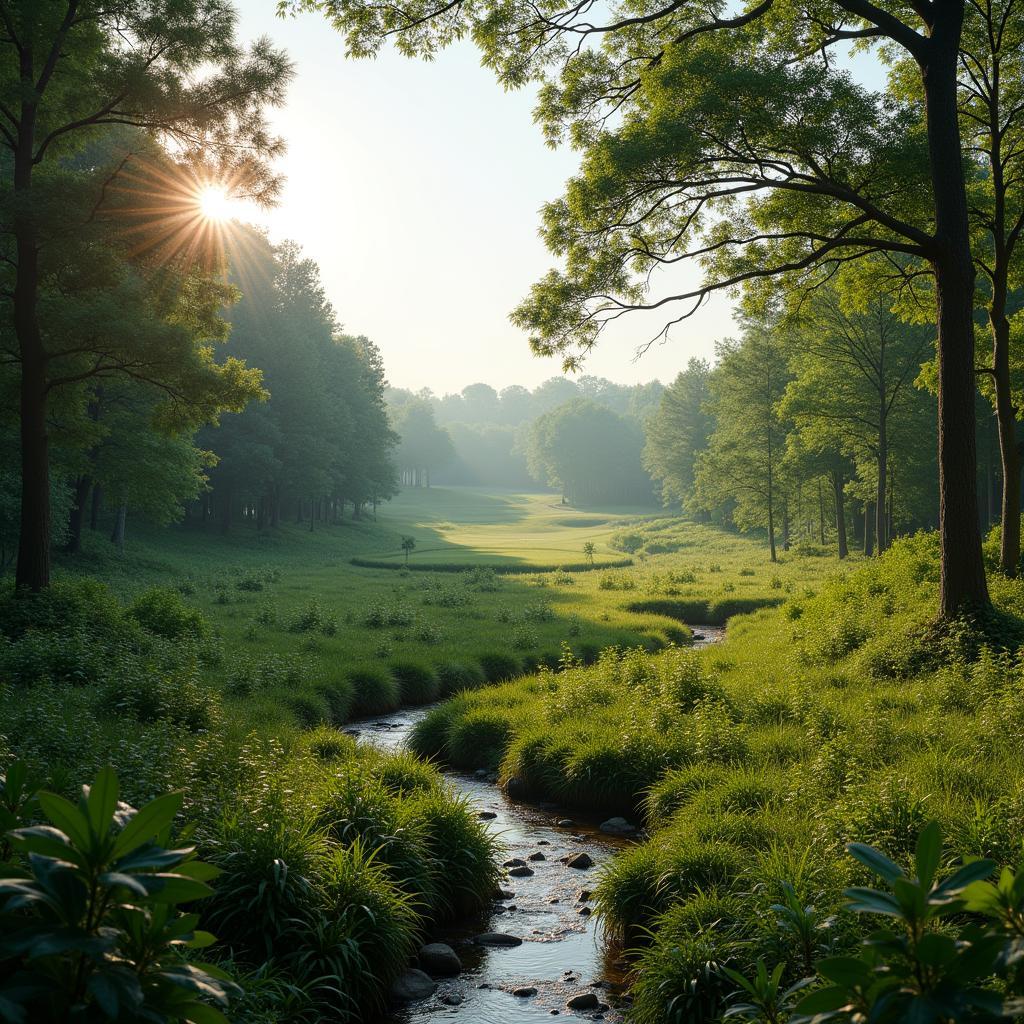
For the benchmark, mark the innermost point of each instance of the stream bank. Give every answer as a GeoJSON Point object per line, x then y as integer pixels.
{"type": "Point", "coordinates": [544, 908]}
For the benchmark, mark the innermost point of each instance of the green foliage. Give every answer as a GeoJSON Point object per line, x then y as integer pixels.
{"type": "Point", "coordinates": [374, 691]}
{"type": "Point", "coordinates": [417, 684]}
{"type": "Point", "coordinates": [89, 908]}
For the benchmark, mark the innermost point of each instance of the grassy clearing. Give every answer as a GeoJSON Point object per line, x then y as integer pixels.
{"type": "Point", "coordinates": [311, 639]}
{"type": "Point", "coordinates": [839, 716]}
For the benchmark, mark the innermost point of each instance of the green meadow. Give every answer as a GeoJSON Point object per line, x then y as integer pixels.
{"type": "Point", "coordinates": [498, 584]}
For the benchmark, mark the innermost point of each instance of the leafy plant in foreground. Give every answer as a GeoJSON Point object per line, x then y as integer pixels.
{"type": "Point", "coordinates": [952, 939]}
{"type": "Point", "coordinates": [89, 925]}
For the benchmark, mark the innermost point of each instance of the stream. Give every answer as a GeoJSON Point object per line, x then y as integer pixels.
{"type": "Point", "coordinates": [561, 956]}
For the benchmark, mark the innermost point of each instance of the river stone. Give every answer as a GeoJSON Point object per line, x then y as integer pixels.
{"type": "Point", "coordinates": [504, 894]}
{"type": "Point", "coordinates": [565, 823]}
{"type": "Point", "coordinates": [438, 958]}
{"type": "Point", "coordinates": [487, 815]}
{"type": "Point", "coordinates": [525, 992]}
{"type": "Point", "coordinates": [584, 1001]}
{"type": "Point", "coordinates": [498, 939]}
{"type": "Point", "coordinates": [583, 896]}
{"type": "Point", "coordinates": [580, 861]}
{"type": "Point", "coordinates": [516, 788]}
{"type": "Point", "coordinates": [514, 862]}
{"type": "Point", "coordinates": [584, 911]}
{"type": "Point", "coordinates": [521, 872]}
{"type": "Point", "coordinates": [452, 999]}
{"type": "Point", "coordinates": [413, 985]}
{"type": "Point", "coordinates": [537, 856]}
{"type": "Point", "coordinates": [617, 827]}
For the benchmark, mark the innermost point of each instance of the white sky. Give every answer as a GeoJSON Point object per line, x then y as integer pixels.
{"type": "Point", "coordinates": [416, 187]}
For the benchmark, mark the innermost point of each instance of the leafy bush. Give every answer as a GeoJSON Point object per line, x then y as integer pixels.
{"type": "Point", "coordinates": [313, 619]}
{"type": "Point", "coordinates": [162, 611]}
{"type": "Point", "coordinates": [178, 698]}
{"type": "Point", "coordinates": [89, 911]}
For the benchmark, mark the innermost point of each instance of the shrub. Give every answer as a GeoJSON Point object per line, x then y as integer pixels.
{"type": "Point", "coordinates": [313, 619]}
{"type": "Point", "coordinates": [676, 788]}
{"type": "Point", "coordinates": [374, 691]}
{"type": "Point", "coordinates": [65, 606]}
{"type": "Point", "coordinates": [87, 925]}
{"type": "Point", "coordinates": [416, 683]}
{"type": "Point", "coordinates": [370, 915]}
{"type": "Point", "coordinates": [268, 855]}
{"type": "Point", "coordinates": [178, 698]}
{"type": "Point", "coordinates": [339, 694]}
{"type": "Point", "coordinates": [162, 611]}
{"type": "Point", "coordinates": [498, 668]}
{"type": "Point", "coordinates": [455, 839]}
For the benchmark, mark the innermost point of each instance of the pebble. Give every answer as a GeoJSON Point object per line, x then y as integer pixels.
{"type": "Point", "coordinates": [584, 1001]}
{"type": "Point", "coordinates": [503, 894]}
{"type": "Point", "coordinates": [583, 896]}
{"type": "Point", "coordinates": [524, 871]}
{"type": "Point", "coordinates": [543, 842]}
{"type": "Point", "coordinates": [452, 999]}
{"type": "Point", "coordinates": [537, 856]}
{"type": "Point", "coordinates": [514, 862]}
{"type": "Point", "coordinates": [525, 992]}
{"type": "Point", "coordinates": [580, 861]}
{"type": "Point", "coordinates": [487, 815]}
{"type": "Point", "coordinates": [584, 911]}
{"type": "Point", "coordinates": [565, 823]}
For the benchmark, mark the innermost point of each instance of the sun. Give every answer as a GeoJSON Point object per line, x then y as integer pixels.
{"type": "Point", "coordinates": [214, 203]}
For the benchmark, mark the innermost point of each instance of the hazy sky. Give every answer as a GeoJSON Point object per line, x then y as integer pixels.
{"type": "Point", "coordinates": [416, 187]}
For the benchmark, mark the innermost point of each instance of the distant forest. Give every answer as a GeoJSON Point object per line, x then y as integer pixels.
{"type": "Point", "coordinates": [818, 429]}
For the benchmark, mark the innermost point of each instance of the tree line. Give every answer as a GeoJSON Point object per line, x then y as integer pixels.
{"type": "Point", "coordinates": [121, 389]}
{"type": "Point", "coordinates": [736, 144]}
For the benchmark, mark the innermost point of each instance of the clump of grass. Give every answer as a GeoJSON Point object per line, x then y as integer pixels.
{"type": "Point", "coordinates": [454, 676]}
{"type": "Point", "coordinates": [497, 667]}
{"type": "Point", "coordinates": [374, 691]}
{"type": "Point", "coordinates": [417, 684]}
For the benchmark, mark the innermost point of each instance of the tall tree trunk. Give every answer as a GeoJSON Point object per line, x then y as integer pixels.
{"type": "Point", "coordinates": [869, 547]}
{"type": "Point", "coordinates": [840, 501]}
{"type": "Point", "coordinates": [785, 524]}
{"type": "Point", "coordinates": [882, 468]}
{"type": "Point", "coordinates": [1009, 453]}
{"type": "Point", "coordinates": [821, 515]}
{"type": "Point", "coordinates": [94, 508]}
{"type": "Point", "coordinates": [962, 584]}
{"type": "Point", "coordinates": [117, 534]}
{"type": "Point", "coordinates": [82, 487]}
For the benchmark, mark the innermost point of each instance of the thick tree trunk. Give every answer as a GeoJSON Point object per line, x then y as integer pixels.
{"type": "Point", "coordinates": [82, 487]}
{"type": "Point", "coordinates": [840, 499]}
{"type": "Point", "coordinates": [869, 546]}
{"type": "Point", "coordinates": [963, 583]}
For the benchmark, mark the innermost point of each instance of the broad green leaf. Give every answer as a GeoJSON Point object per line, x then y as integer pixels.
{"type": "Point", "coordinates": [871, 901]}
{"type": "Point", "coordinates": [928, 853]}
{"type": "Point", "coordinates": [844, 970]}
{"type": "Point", "coordinates": [67, 817]}
{"type": "Point", "coordinates": [824, 1000]}
{"type": "Point", "coordinates": [147, 822]}
{"type": "Point", "coordinates": [876, 861]}
{"type": "Point", "coordinates": [178, 889]}
{"type": "Point", "coordinates": [936, 950]}
{"type": "Point", "coordinates": [976, 871]}
{"type": "Point", "coordinates": [102, 801]}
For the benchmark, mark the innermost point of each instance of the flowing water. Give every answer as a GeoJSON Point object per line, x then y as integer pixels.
{"type": "Point", "coordinates": [561, 956]}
